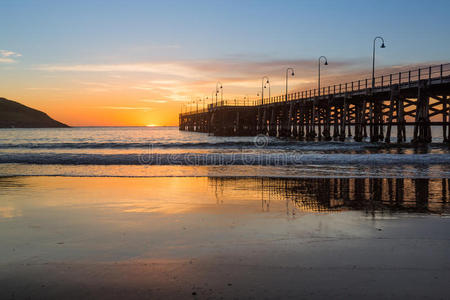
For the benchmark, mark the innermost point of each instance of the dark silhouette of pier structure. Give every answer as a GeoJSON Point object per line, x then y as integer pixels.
{"type": "Point", "coordinates": [357, 109]}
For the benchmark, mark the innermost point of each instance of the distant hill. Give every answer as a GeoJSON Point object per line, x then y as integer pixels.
{"type": "Point", "coordinates": [16, 115]}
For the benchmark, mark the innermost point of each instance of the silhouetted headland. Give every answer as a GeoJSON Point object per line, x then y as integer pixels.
{"type": "Point", "coordinates": [16, 115]}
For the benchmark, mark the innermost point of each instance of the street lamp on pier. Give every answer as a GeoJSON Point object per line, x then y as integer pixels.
{"type": "Point", "coordinates": [219, 86]}
{"type": "Point", "coordinates": [265, 86]}
{"type": "Point", "coordinates": [287, 76]}
{"type": "Point", "coordinates": [373, 57]}
{"type": "Point", "coordinates": [264, 81]}
{"type": "Point", "coordinates": [325, 64]}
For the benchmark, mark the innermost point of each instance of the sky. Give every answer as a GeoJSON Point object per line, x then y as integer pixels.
{"type": "Point", "coordinates": [135, 63]}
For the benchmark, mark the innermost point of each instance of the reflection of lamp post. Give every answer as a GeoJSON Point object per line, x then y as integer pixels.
{"type": "Point", "coordinates": [217, 91]}
{"type": "Point", "coordinates": [264, 80]}
{"type": "Point", "coordinates": [373, 57]}
{"type": "Point", "coordinates": [325, 64]}
{"type": "Point", "coordinates": [287, 76]}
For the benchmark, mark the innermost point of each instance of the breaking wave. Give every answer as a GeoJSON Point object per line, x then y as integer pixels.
{"type": "Point", "coordinates": [217, 159]}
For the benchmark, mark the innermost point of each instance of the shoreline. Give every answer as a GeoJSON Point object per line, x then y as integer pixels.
{"type": "Point", "coordinates": [268, 177]}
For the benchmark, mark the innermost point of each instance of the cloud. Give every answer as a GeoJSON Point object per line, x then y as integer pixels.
{"type": "Point", "coordinates": [7, 56]}
{"type": "Point", "coordinates": [6, 60]}
{"type": "Point", "coordinates": [174, 69]}
{"type": "Point", "coordinates": [178, 81]}
{"type": "Point", "coordinates": [197, 69]}
{"type": "Point", "coordinates": [6, 53]}
{"type": "Point", "coordinates": [152, 87]}
{"type": "Point", "coordinates": [44, 89]}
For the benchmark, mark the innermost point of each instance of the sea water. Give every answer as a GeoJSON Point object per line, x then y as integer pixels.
{"type": "Point", "coordinates": [166, 151]}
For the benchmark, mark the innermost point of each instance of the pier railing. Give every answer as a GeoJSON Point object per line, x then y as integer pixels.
{"type": "Point", "coordinates": [403, 79]}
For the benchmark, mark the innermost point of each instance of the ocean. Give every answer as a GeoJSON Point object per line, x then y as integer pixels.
{"type": "Point", "coordinates": [166, 151]}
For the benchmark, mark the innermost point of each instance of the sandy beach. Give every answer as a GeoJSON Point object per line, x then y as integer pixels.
{"type": "Point", "coordinates": [115, 238]}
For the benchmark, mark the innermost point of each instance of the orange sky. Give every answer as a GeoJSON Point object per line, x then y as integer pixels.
{"type": "Point", "coordinates": [143, 94]}
{"type": "Point", "coordinates": [152, 93]}
{"type": "Point", "coordinates": [136, 94]}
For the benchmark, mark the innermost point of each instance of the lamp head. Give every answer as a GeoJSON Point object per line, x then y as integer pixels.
{"type": "Point", "coordinates": [292, 74]}
{"type": "Point", "coordinates": [382, 45]}
{"type": "Point", "coordinates": [326, 63]}
{"type": "Point", "coordinates": [267, 81]}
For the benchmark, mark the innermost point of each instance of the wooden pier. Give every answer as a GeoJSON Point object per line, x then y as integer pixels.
{"type": "Point", "coordinates": [358, 109]}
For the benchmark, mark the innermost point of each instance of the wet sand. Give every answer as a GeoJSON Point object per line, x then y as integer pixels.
{"type": "Point", "coordinates": [175, 238]}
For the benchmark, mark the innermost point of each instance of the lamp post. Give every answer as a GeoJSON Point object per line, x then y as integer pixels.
{"type": "Point", "coordinates": [325, 64]}
{"type": "Point", "coordinates": [264, 80]}
{"type": "Point", "coordinates": [287, 76]}
{"type": "Point", "coordinates": [219, 86]}
{"type": "Point", "coordinates": [265, 86]}
{"type": "Point", "coordinates": [373, 57]}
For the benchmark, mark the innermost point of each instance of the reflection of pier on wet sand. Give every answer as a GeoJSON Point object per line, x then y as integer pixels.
{"type": "Point", "coordinates": [230, 238]}
{"type": "Point", "coordinates": [418, 195]}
